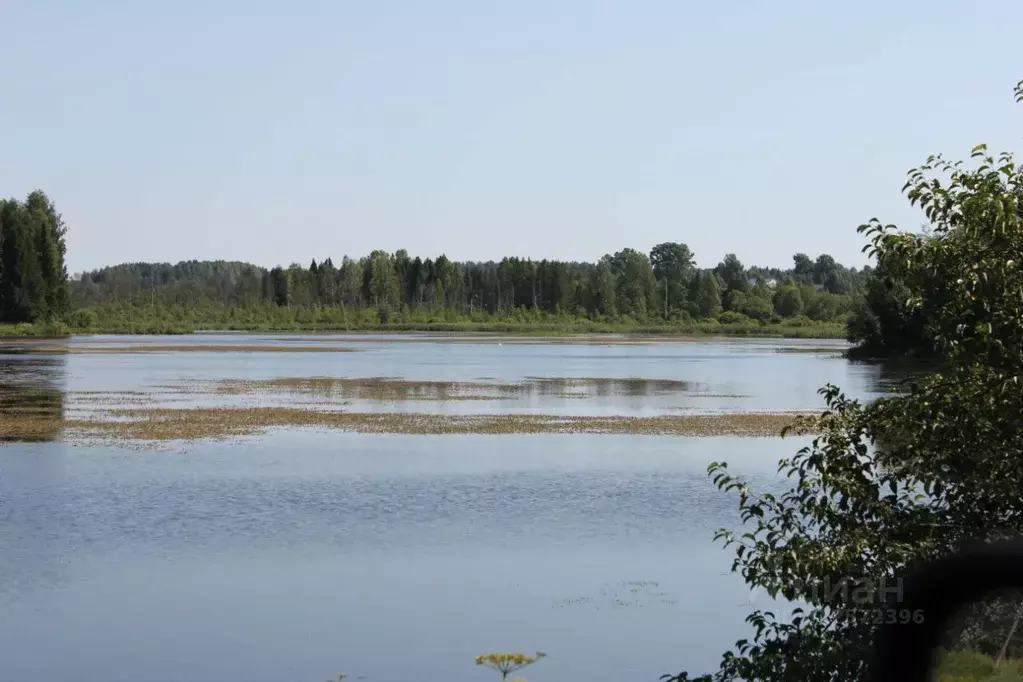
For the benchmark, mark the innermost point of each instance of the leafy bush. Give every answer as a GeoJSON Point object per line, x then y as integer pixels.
{"type": "Point", "coordinates": [731, 317]}
{"type": "Point", "coordinates": [788, 302]}
{"type": "Point", "coordinates": [54, 328]}
{"type": "Point", "coordinates": [84, 319]}
{"type": "Point", "coordinates": [759, 309]}
{"type": "Point", "coordinates": [909, 477]}
{"type": "Point", "coordinates": [973, 666]}
{"type": "Point", "coordinates": [798, 321]}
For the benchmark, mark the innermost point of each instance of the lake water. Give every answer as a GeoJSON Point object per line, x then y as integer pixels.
{"type": "Point", "coordinates": [299, 554]}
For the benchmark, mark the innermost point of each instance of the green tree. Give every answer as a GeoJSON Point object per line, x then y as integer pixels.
{"type": "Point", "coordinates": [672, 260]}
{"type": "Point", "coordinates": [415, 283]}
{"type": "Point", "coordinates": [280, 287]}
{"type": "Point", "coordinates": [401, 266]}
{"type": "Point", "coordinates": [838, 281]}
{"type": "Point", "coordinates": [326, 283]}
{"type": "Point", "coordinates": [384, 285]}
{"type": "Point", "coordinates": [788, 302]}
{"type": "Point", "coordinates": [301, 286]}
{"type": "Point", "coordinates": [803, 269]}
{"type": "Point", "coordinates": [823, 267]}
{"type": "Point", "coordinates": [351, 281]}
{"type": "Point", "coordinates": [555, 286]}
{"type": "Point", "coordinates": [824, 307]}
{"type": "Point", "coordinates": [882, 325]}
{"type": "Point", "coordinates": [757, 306]}
{"type": "Point", "coordinates": [266, 288]}
{"type": "Point", "coordinates": [732, 274]}
{"type": "Point", "coordinates": [48, 229]}
{"type": "Point", "coordinates": [673, 265]}
{"type": "Point", "coordinates": [602, 289]}
{"type": "Point", "coordinates": [708, 296]}
{"type": "Point", "coordinates": [636, 285]}
{"type": "Point", "coordinates": [907, 477]}
{"type": "Point", "coordinates": [734, 301]}
{"type": "Point", "coordinates": [22, 289]}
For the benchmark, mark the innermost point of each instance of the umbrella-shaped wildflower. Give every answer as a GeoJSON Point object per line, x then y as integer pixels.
{"type": "Point", "coordinates": [508, 663]}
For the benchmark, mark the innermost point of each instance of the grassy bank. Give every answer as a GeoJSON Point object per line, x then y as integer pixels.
{"type": "Point", "coordinates": [972, 666]}
{"type": "Point", "coordinates": [704, 328]}
{"type": "Point", "coordinates": [135, 318]}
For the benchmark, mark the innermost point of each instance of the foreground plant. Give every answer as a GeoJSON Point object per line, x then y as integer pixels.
{"type": "Point", "coordinates": [905, 478]}
{"type": "Point", "coordinates": [508, 663]}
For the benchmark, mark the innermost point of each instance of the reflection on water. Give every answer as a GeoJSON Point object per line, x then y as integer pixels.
{"type": "Point", "coordinates": [438, 378]}
{"type": "Point", "coordinates": [31, 396]}
{"type": "Point", "coordinates": [389, 389]}
{"type": "Point", "coordinates": [894, 376]}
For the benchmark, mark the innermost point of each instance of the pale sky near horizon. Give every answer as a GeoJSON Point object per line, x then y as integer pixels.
{"type": "Point", "coordinates": [274, 132]}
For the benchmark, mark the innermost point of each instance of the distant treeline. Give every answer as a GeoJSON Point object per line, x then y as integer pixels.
{"type": "Point", "coordinates": [625, 291]}
{"type": "Point", "coordinates": [33, 279]}
{"type": "Point", "coordinates": [628, 285]}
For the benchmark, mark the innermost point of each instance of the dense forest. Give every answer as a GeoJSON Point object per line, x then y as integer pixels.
{"type": "Point", "coordinates": [625, 291]}
{"type": "Point", "coordinates": [626, 287]}
{"type": "Point", "coordinates": [33, 279]}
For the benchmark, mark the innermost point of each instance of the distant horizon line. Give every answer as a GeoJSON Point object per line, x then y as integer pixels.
{"type": "Point", "coordinates": [337, 262]}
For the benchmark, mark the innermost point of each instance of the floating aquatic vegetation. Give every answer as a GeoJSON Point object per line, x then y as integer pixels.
{"type": "Point", "coordinates": [29, 429]}
{"type": "Point", "coordinates": [720, 395]}
{"type": "Point", "coordinates": [154, 348]}
{"type": "Point", "coordinates": [31, 398]}
{"type": "Point", "coordinates": [163, 424]}
{"type": "Point", "coordinates": [391, 389]}
{"type": "Point", "coordinates": [188, 348]}
{"type": "Point", "coordinates": [829, 350]}
{"type": "Point", "coordinates": [522, 340]}
{"type": "Point", "coordinates": [635, 593]}
{"type": "Point", "coordinates": [369, 388]}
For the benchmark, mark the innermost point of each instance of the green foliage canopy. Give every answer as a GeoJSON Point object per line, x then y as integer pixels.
{"type": "Point", "coordinates": [33, 278]}
{"type": "Point", "coordinates": [907, 477]}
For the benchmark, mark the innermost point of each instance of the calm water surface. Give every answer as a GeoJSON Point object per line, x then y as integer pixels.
{"type": "Point", "coordinates": [300, 554]}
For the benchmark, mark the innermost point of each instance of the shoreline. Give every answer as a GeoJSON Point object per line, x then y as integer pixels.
{"type": "Point", "coordinates": [524, 331]}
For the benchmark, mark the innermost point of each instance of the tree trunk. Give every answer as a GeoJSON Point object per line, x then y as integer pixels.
{"type": "Point", "coordinates": [1012, 631]}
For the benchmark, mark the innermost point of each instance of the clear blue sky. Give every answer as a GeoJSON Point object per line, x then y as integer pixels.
{"type": "Point", "coordinates": [275, 132]}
